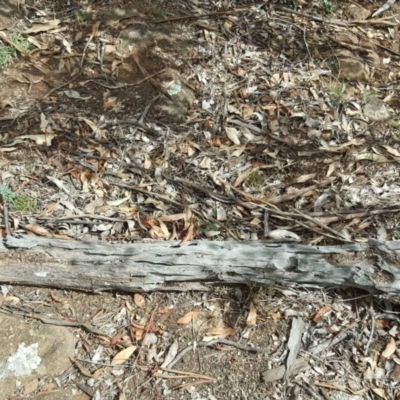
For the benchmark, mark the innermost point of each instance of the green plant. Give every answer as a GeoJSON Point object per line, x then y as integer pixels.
{"type": "Point", "coordinates": [212, 227]}
{"type": "Point", "coordinates": [7, 195]}
{"type": "Point", "coordinates": [223, 291]}
{"type": "Point", "coordinates": [368, 94]}
{"type": "Point", "coordinates": [162, 13]}
{"type": "Point", "coordinates": [265, 290]}
{"type": "Point", "coordinates": [336, 89]}
{"type": "Point", "coordinates": [82, 15]}
{"type": "Point", "coordinates": [22, 42]}
{"type": "Point", "coordinates": [327, 6]}
{"type": "Point", "coordinates": [255, 179]}
{"type": "Point", "coordinates": [214, 212]}
{"type": "Point", "coordinates": [7, 53]}
{"type": "Point", "coordinates": [24, 202]}
{"type": "Point", "coordinates": [19, 202]}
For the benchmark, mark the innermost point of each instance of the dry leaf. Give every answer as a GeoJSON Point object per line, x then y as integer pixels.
{"type": "Point", "coordinates": [118, 202]}
{"type": "Point", "coordinates": [43, 27]}
{"type": "Point", "coordinates": [37, 229]}
{"type": "Point", "coordinates": [283, 234]}
{"type": "Point", "coordinates": [137, 331]}
{"type": "Point", "coordinates": [110, 102]}
{"type": "Point", "coordinates": [210, 234]}
{"type": "Point", "coordinates": [40, 139]}
{"type": "Point", "coordinates": [252, 317]}
{"type": "Point", "coordinates": [223, 332]}
{"type": "Point", "coordinates": [233, 135]}
{"type": "Point", "coordinates": [58, 299]}
{"type": "Point", "coordinates": [317, 318]}
{"type": "Point", "coordinates": [391, 150]}
{"type": "Point", "coordinates": [243, 176]}
{"type": "Point", "coordinates": [188, 236]}
{"type": "Point", "coordinates": [129, 306]}
{"type": "Point", "coordinates": [156, 203]}
{"type": "Point", "coordinates": [304, 178]}
{"type": "Point", "coordinates": [382, 323]}
{"type": "Point", "coordinates": [371, 157]}
{"type": "Point", "coordinates": [89, 176]}
{"type": "Point", "coordinates": [147, 161]}
{"type": "Point", "coordinates": [92, 125]}
{"type": "Point", "coordinates": [174, 217]}
{"type": "Point", "coordinates": [395, 374]}
{"type": "Point", "coordinates": [12, 300]}
{"type": "Point", "coordinates": [167, 310]}
{"type": "Point", "coordinates": [123, 355]}
{"type": "Point", "coordinates": [31, 386]}
{"type": "Point", "coordinates": [164, 230]}
{"type": "Point", "coordinates": [139, 300]}
{"type": "Point", "coordinates": [116, 339]}
{"type": "Point", "coordinates": [5, 103]}
{"type": "Point", "coordinates": [48, 209]}
{"type": "Point", "coordinates": [277, 316]}
{"type": "Point", "coordinates": [247, 112]}
{"type": "Point", "coordinates": [380, 392]}
{"type": "Point", "coordinates": [48, 386]}
{"type": "Point", "coordinates": [85, 372]}
{"type": "Point", "coordinates": [172, 352]}
{"type": "Point", "coordinates": [188, 317]}
{"type": "Point", "coordinates": [390, 349]}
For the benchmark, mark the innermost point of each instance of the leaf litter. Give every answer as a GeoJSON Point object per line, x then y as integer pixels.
{"type": "Point", "coordinates": [209, 120]}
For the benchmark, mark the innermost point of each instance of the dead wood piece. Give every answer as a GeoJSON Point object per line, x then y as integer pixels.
{"type": "Point", "coordinates": [294, 343]}
{"type": "Point", "coordinates": [164, 266]}
{"type": "Point", "coordinates": [211, 344]}
{"type": "Point", "coordinates": [301, 364]}
{"type": "Point", "coordinates": [278, 373]}
{"type": "Point", "coordinates": [51, 321]}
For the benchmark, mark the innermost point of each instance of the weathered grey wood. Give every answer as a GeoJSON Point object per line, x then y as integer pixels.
{"type": "Point", "coordinates": [163, 265]}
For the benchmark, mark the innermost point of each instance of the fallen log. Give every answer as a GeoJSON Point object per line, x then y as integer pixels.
{"type": "Point", "coordinates": [163, 265]}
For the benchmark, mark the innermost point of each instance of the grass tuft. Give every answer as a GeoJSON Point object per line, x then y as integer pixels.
{"type": "Point", "coordinates": [18, 202]}
{"type": "Point", "coordinates": [8, 53]}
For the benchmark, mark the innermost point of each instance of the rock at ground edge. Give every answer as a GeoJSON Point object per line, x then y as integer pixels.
{"type": "Point", "coordinates": [30, 350]}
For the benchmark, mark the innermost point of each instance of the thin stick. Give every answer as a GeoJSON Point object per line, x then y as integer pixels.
{"type": "Point", "coordinates": [200, 16]}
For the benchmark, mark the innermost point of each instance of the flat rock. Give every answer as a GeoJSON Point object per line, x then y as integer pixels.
{"type": "Point", "coordinates": [182, 96]}
{"type": "Point", "coordinates": [353, 69]}
{"type": "Point", "coordinates": [10, 12]}
{"type": "Point", "coordinates": [376, 109]}
{"type": "Point", "coordinates": [356, 12]}
{"type": "Point", "coordinates": [31, 350]}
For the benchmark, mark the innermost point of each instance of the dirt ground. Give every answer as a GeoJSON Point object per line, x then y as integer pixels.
{"type": "Point", "coordinates": [127, 120]}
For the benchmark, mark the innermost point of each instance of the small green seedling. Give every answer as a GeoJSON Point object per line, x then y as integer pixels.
{"type": "Point", "coordinates": [336, 89]}
{"type": "Point", "coordinates": [18, 202]}
{"type": "Point", "coordinates": [255, 179]}
{"type": "Point", "coordinates": [22, 42]}
{"type": "Point", "coordinates": [81, 16]}
{"type": "Point", "coordinates": [368, 94]}
{"type": "Point", "coordinates": [25, 203]}
{"type": "Point", "coordinates": [7, 53]}
{"type": "Point", "coordinates": [327, 6]}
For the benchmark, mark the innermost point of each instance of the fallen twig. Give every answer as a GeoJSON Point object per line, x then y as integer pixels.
{"type": "Point", "coordinates": [200, 16]}
{"type": "Point", "coordinates": [210, 344]}
{"type": "Point", "coordinates": [50, 321]}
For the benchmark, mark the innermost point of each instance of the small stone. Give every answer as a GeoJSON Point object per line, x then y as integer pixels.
{"type": "Point", "coordinates": [353, 69]}
{"type": "Point", "coordinates": [376, 110]}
